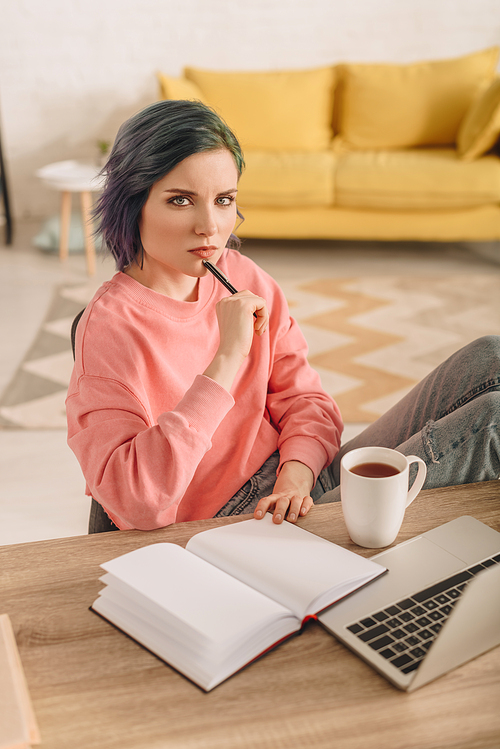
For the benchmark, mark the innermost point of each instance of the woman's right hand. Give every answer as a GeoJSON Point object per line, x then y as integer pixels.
{"type": "Point", "coordinates": [239, 316]}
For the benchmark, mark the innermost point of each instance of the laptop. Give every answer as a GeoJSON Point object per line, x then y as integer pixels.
{"type": "Point", "coordinates": [436, 608]}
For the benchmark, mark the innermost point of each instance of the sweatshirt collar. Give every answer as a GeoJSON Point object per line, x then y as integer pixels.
{"type": "Point", "coordinates": [163, 304]}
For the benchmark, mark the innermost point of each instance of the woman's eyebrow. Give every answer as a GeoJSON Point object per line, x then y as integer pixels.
{"type": "Point", "coordinates": [180, 191]}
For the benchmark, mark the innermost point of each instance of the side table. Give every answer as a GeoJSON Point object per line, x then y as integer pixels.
{"type": "Point", "coordinates": [69, 177]}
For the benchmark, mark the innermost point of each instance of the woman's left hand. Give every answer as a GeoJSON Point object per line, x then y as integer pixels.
{"type": "Point", "coordinates": [290, 497]}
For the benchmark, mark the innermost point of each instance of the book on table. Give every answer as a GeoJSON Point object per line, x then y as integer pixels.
{"type": "Point", "coordinates": [230, 596]}
{"type": "Point", "coordinates": [18, 725]}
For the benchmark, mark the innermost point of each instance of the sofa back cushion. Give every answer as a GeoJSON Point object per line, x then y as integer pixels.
{"type": "Point", "coordinates": [480, 128]}
{"type": "Point", "coordinates": [272, 111]}
{"type": "Point", "coordinates": [287, 179]}
{"type": "Point", "coordinates": [178, 88]}
{"type": "Point", "coordinates": [400, 106]}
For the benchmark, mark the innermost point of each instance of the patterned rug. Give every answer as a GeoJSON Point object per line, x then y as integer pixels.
{"type": "Point", "coordinates": [370, 338]}
{"type": "Point", "coordinates": [34, 399]}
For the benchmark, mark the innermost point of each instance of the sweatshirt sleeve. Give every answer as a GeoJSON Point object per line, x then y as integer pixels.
{"type": "Point", "coordinates": [308, 420]}
{"type": "Point", "coordinates": [136, 470]}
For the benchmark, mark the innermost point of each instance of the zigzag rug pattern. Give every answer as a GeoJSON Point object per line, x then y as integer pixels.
{"type": "Point", "coordinates": [391, 332]}
{"type": "Point", "coordinates": [35, 397]}
{"type": "Point", "coordinates": [370, 339]}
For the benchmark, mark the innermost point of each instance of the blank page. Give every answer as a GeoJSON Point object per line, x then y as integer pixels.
{"type": "Point", "coordinates": [284, 561]}
{"type": "Point", "coordinates": [199, 595]}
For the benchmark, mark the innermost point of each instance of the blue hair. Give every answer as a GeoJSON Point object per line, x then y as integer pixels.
{"type": "Point", "coordinates": [148, 146]}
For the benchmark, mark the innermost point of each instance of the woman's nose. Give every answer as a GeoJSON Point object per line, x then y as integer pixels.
{"type": "Point", "coordinates": [205, 222]}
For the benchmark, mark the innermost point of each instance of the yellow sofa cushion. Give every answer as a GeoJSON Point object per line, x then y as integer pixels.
{"type": "Point", "coordinates": [465, 224]}
{"type": "Point", "coordinates": [419, 179]}
{"type": "Point", "coordinates": [480, 128]}
{"type": "Point", "coordinates": [287, 179]}
{"type": "Point", "coordinates": [178, 88]}
{"type": "Point", "coordinates": [401, 106]}
{"type": "Point", "coordinates": [272, 111]}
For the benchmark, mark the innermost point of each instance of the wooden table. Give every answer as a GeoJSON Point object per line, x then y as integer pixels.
{"type": "Point", "coordinates": [92, 686]}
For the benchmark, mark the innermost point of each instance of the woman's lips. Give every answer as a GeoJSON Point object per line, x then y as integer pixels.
{"type": "Point", "coordinates": [204, 252]}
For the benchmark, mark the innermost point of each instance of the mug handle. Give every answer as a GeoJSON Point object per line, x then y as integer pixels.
{"type": "Point", "coordinates": [419, 478]}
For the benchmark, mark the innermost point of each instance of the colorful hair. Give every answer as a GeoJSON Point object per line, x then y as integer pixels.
{"type": "Point", "coordinates": [148, 146]}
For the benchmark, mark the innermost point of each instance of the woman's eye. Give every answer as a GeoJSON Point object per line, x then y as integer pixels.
{"type": "Point", "coordinates": [225, 200]}
{"type": "Point", "coordinates": [180, 200]}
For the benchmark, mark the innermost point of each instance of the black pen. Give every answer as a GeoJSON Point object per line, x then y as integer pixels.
{"type": "Point", "coordinates": [219, 275]}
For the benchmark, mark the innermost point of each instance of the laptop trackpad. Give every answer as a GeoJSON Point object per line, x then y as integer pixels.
{"type": "Point", "coordinates": [415, 564]}
{"type": "Point", "coordinates": [412, 566]}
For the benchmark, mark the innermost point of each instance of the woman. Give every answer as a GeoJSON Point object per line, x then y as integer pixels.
{"type": "Point", "coordinates": [187, 402]}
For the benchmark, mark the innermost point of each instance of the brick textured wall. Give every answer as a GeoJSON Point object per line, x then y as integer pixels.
{"type": "Point", "coordinates": [71, 72]}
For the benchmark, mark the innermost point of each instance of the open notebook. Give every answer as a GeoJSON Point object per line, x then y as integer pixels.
{"type": "Point", "coordinates": [231, 595]}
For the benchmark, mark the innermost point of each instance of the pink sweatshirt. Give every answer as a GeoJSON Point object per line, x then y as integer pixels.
{"type": "Point", "coordinates": [160, 443]}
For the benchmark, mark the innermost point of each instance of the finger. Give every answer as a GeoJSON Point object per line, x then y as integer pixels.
{"type": "Point", "coordinates": [259, 310]}
{"type": "Point", "coordinates": [261, 329]}
{"type": "Point", "coordinates": [261, 325]}
{"type": "Point", "coordinates": [307, 503]}
{"type": "Point", "coordinates": [261, 318]}
{"type": "Point", "coordinates": [279, 503]}
{"type": "Point", "coordinates": [299, 506]}
{"type": "Point", "coordinates": [280, 508]}
{"type": "Point", "coordinates": [264, 504]}
{"type": "Point", "coordinates": [295, 509]}
{"type": "Point", "coordinates": [284, 505]}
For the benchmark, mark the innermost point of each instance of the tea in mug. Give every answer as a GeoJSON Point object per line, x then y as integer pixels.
{"type": "Point", "coordinates": [374, 470]}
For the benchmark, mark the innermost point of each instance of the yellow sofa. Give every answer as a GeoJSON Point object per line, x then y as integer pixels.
{"type": "Point", "coordinates": [363, 151]}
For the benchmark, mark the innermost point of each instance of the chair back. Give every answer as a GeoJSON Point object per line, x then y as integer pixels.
{"type": "Point", "coordinates": [74, 326]}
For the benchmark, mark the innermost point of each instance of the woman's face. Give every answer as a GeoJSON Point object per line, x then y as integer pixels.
{"type": "Point", "coordinates": [187, 218]}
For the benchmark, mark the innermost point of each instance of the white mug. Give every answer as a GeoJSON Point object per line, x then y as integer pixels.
{"type": "Point", "coordinates": [374, 506]}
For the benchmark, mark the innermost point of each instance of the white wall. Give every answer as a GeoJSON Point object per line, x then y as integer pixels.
{"type": "Point", "coordinates": [72, 70]}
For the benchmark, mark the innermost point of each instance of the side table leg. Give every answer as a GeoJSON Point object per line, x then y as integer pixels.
{"type": "Point", "coordinates": [65, 221]}
{"type": "Point", "coordinates": [86, 200]}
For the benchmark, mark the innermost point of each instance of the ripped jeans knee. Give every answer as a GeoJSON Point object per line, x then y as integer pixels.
{"type": "Point", "coordinates": [429, 446]}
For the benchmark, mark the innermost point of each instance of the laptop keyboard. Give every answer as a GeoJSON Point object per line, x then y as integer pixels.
{"type": "Point", "coordinates": [403, 632]}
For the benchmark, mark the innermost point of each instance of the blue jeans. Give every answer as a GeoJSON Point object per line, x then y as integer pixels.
{"type": "Point", "coordinates": [451, 420]}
